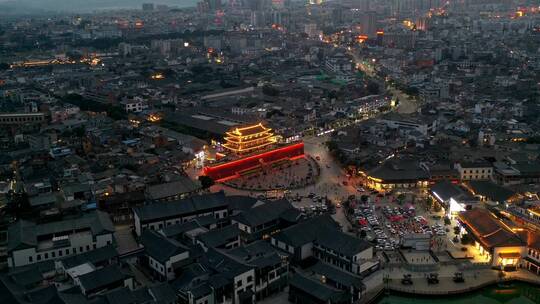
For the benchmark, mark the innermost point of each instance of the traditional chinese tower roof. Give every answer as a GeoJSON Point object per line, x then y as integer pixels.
{"type": "Point", "coordinates": [249, 139]}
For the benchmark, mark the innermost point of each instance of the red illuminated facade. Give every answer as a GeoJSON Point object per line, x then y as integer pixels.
{"type": "Point", "coordinates": [233, 169]}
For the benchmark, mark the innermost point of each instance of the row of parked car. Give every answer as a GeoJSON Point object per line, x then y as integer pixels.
{"type": "Point", "coordinates": [367, 219]}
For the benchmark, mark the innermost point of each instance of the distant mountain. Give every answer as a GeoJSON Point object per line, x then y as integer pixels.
{"type": "Point", "coordinates": [35, 6]}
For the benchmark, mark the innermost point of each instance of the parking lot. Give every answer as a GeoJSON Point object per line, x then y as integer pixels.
{"type": "Point", "coordinates": [311, 204]}
{"type": "Point", "coordinates": [386, 220]}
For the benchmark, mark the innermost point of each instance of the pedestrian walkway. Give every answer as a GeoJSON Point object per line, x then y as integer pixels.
{"type": "Point", "coordinates": [474, 279]}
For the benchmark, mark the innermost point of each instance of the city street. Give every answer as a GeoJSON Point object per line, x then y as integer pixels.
{"type": "Point", "coordinates": [406, 104]}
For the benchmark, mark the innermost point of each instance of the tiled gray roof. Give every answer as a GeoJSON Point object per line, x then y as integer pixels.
{"type": "Point", "coordinates": [24, 233]}
{"type": "Point", "coordinates": [307, 231]}
{"type": "Point", "coordinates": [181, 207]}
{"type": "Point", "coordinates": [95, 256]}
{"type": "Point", "coordinates": [261, 214]}
{"type": "Point", "coordinates": [316, 289]}
{"type": "Point", "coordinates": [337, 275]}
{"type": "Point", "coordinates": [323, 231]}
{"type": "Point", "coordinates": [181, 186]}
{"type": "Point", "coordinates": [219, 237]}
{"type": "Point", "coordinates": [159, 247]}
{"type": "Point", "coordinates": [446, 190]}
{"type": "Point", "coordinates": [101, 277]}
{"type": "Point", "coordinates": [491, 190]}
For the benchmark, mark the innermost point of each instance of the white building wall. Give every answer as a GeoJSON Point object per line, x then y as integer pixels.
{"type": "Point", "coordinates": [244, 279]}
{"type": "Point", "coordinates": [79, 243]}
{"type": "Point", "coordinates": [155, 225]}
{"type": "Point", "coordinates": [306, 251]}
{"type": "Point", "coordinates": [137, 224]}
{"type": "Point", "coordinates": [174, 259]}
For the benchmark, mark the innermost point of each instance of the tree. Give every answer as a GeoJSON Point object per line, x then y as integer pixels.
{"type": "Point", "coordinates": [383, 109]}
{"type": "Point", "coordinates": [372, 88]}
{"type": "Point", "coordinates": [412, 91]}
{"type": "Point", "coordinates": [206, 181]}
{"type": "Point", "coordinates": [364, 198]}
{"type": "Point", "coordinates": [332, 145]}
{"type": "Point", "coordinates": [270, 90]}
{"type": "Point", "coordinates": [74, 55]}
{"type": "Point", "coordinates": [429, 203]}
{"type": "Point", "coordinates": [79, 131]}
{"type": "Point", "coordinates": [18, 202]}
{"type": "Point", "coordinates": [363, 234]}
{"type": "Point", "coordinates": [447, 221]}
{"type": "Point", "coordinates": [332, 94]}
{"type": "Point", "coordinates": [401, 197]}
{"type": "Point", "coordinates": [466, 239]}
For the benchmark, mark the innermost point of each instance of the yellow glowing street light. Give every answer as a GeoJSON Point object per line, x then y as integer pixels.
{"type": "Point", "coordinates": [153, 118]}
{"type": "Point", "coordinates": [158, 76]}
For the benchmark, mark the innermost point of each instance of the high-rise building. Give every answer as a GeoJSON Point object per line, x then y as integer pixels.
{"type": "Point", "coordinates": [257, 19]}
{"type": "Point", "coordinates": [277, 17]}
{"type": "Point", "coordinates": [162, 46]}
{"type": "Point", "coordinates": [311, 30]}
{"type": "Point", "coordinates": [214, 5]}
{"type": "Point", "coordinates": [368, 23]}
{"type": "Point", "coordinates": [361, 5]}
{"type": "Point", "coordinates": [202, 7]}
{"type": "Point", "coordinates": [148, 7]}
{"type": "Point", "coordinates": [124, 49]}
{"type": "Point", "coordinates": [214, 42]}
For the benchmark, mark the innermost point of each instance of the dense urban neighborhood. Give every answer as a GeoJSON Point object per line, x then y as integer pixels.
{"type": "Point", "coordinates": [257, 151]}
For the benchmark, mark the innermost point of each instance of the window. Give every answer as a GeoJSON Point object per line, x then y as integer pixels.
{"type": "Point", "coordinates": [94, 246]}
{"type": "Point", "coordinates": [81, 249]}
{"type": "Point", "coordinates": [60, 253]}
{"type": "Point", "coordinates": [30, 259]}
{"type": "Point", "coordinates": [53, 254]}
{"type": "Point", "coordinates": [46, 255]}
{"type": "Point", "coordinates": [249, 279]}
{"type": "Point", "coordinates": [87, 247]}
{"type": "Point", "coordinates": [39, 257]}
{"type": "Point", "coordinates": [169, 269]}
{"type": "Point", "coordinates": [239, 283]}
{"type": "Point", "coordinates": [67, 251]}
{"type": "Point", "coordinates": [109, 242]}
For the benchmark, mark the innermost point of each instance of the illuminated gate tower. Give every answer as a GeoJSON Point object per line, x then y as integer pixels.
{"type": "Point", "coordinates": [252, 146]}
{"type": "Point", "coordinates": [242, 141]}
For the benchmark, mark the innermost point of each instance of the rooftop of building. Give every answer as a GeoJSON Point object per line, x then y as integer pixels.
{"type": "Point", "coordinates": [24, 233]}
{"type": "Point", "coordinates": [488, 230]}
